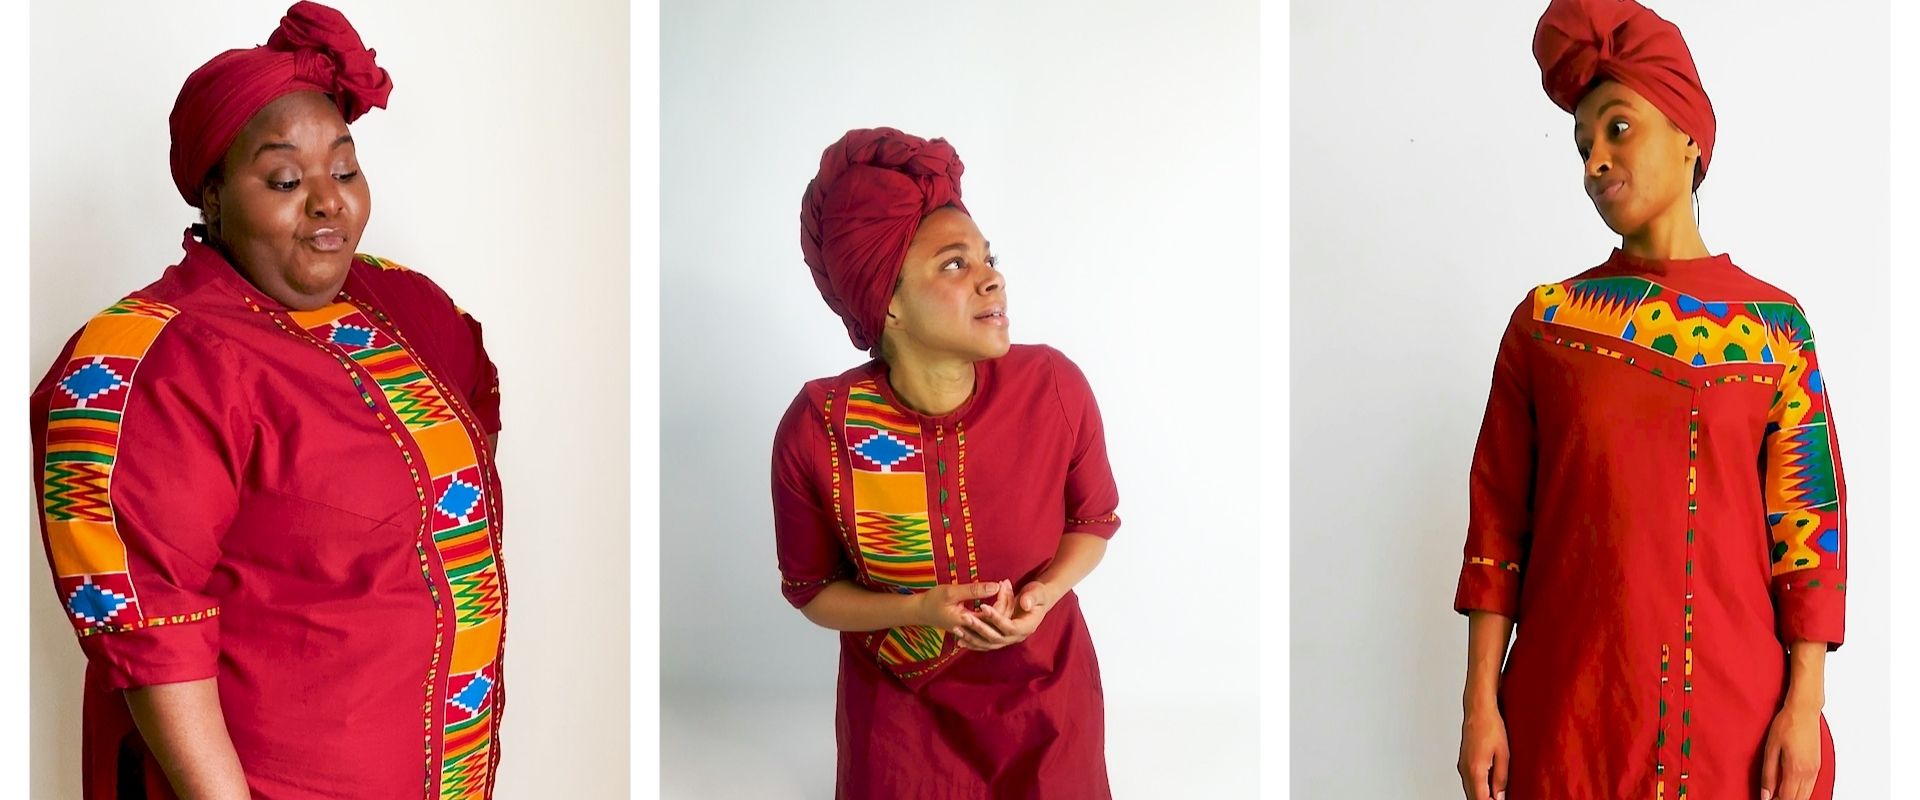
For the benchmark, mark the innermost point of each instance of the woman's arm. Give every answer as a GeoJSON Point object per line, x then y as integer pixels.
{"type": "Point", "coordinates": [1807, 677]}
{"type": "Point", "coordinates": [1483, 733]}
{"type": "Point", "coordinates": [1079, 553]}
{"type": "Point", "coordinates": [845, 606]}
{"type": "Point", "coordinates": [1487, 637]}
{"type": "Point", "coordinates": [1790, 764]}
{"type": "Point", "coordinates": [998, 626]}
{"type": "Point", "coordinates": [182, 724]}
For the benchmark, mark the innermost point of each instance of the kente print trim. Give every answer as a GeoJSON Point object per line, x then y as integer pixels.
{"type": "Point", "coordinates": [83, 442]}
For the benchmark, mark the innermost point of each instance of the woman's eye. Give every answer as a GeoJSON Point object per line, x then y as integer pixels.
{"type": "Point", "coordinates": [1618, 127]}
{"type": "Point", "coordinates": [955, 263]}
{"type": "Point", "coordinates": [283, 186]}
{"type": "Point", "coordinates": [993, 261]}
{"type": "Point", "coordinates": [344, 177]}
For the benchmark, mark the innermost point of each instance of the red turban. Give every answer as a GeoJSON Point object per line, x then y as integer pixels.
{"type": "Point", "coordinates": [314, 49]}
{"type": "Point", "coordinates": [860, 213]}
{"type": "Point", "coordinates": [1581, 41]}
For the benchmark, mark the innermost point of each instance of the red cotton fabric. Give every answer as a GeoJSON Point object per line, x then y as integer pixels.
{"type": "Point", "coordinates": [859, 215]}
{"type": "Point", "coordinates": [230, 492]}
{"type": "Point", "coordinates": [1580, 42]}
{"type": "Point", "coordinates": [866, 490]}
{"type": "Point", "coordinates": [314, 49]}
{"type": "Point", "coordinates": [1657, 501]}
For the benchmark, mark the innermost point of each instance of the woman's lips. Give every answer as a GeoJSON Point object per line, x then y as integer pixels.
{"type": "Point", "coordinates": [327, 240]}
{"type": "Point", "coordinates": [1609, 191]}
{"type": "Point", "coordinates": [996, 317]}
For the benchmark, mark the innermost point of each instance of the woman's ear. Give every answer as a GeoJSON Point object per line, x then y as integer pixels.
{"type": "Point", "coordinates": [210, 205]}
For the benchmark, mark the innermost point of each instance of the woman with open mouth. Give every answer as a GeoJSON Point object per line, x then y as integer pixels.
{"type": "Point", "coordinates": [938, 503]}
{"type": "Point", "coordinates": [1657, 499]}
{"type": "Point", "coordinates": [268, 488]}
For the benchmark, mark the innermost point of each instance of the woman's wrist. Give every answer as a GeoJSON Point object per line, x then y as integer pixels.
{"type": "Point", "coordinates": [1804, 701]}
{"type": "Point", "coordinates": [1480, 700]}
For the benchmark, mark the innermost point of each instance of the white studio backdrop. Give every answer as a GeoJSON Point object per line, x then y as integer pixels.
{"type": "Point", "coordinates": [500, 171]}
{"type": "Point", "coordinates": [1108, 148]}
{"type": "Point", "coordinates": [1433, 185]}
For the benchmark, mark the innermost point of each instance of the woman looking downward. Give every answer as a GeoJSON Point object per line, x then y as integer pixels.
{"type": "Point", "coordinates": [267, 485]}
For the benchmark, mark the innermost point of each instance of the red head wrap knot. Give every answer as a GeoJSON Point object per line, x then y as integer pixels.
{"type": "Point", "coordinates": [860, 213]}
{"type": "Point", "coordinates": [314, 49]}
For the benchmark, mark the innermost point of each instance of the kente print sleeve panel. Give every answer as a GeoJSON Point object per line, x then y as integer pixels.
{"type": "Point", "coordinates": [137, 488]}
{"type": "Point", "coordinates": [1805, 494]}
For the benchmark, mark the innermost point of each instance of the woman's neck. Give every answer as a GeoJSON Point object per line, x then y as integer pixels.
{"type": "Point", "coordinates": [930, 385]}
{"type": "Point", "coordinates": [1670, 236]}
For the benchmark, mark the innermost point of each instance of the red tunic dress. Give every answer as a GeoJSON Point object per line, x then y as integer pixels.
{"type": "Point", "coordinates": [865, 489]}
{"type": "Point", "coordinates": [300, 504]}
{"type": "Point", "coordinates": [1657, 501]}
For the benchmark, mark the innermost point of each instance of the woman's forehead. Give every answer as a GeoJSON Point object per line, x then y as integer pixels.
{"type": "Point", "coordinates": [945, 227]}
{"type": "Point", "coordinates": [307, 113]}
{"type": "Point", "coordinates": [1606, 95]}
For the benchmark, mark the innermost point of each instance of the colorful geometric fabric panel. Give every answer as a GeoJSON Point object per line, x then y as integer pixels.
{"type": "Point", "coordinates": [381, 263]}
{"type": "Point", "coordinates": [83, 438]}
{"type": "Point", "coordinates": [469, 734]}
{"type": "Point", "coordinates": [458, 523]}
{"type": "Point", "coordinates": [1695, 332]}
{"type": "Point", "coordinates": [911, 644]}
{"type": "Point", "coordinates": [892, 514]}
{"type": "Point", "coordinates": [892, 521]}
{"type": "Point", "coordinates": [1802, 482]}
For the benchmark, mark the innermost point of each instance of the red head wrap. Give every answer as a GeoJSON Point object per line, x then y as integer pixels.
{"type": "Point", "coordinates": [314, 49]}
{"type": "Point", "coordinates": [860, 213]}
{"type": "Point", "coordinates": [1581, 41]}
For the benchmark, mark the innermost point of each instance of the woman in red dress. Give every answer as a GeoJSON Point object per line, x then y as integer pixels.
{"type": "Point", "coordinates": [938, 503]}
{"type": "Point", "coordinates": [1657, 500]}
{"type": "Point", "coordinates": [268, 490]}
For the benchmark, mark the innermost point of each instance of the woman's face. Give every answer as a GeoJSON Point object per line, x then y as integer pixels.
{"type": "Point", "coordinates": [1638, 165]}
{"type": "Point", "coordinates": [952, 300]}
{"type": "Point", "coordinates": [291, 202]}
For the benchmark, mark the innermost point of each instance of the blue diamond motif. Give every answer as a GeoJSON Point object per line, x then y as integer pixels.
{"type": "Point", "coordinates": [94, 604]}
{"type": "Point", "coordinates": [459, 499]}
{"type": "Point", "coordinates": [885, 449]}
{"type": "Point", "coordinates": [352, 336]}
{"type": "Point", "coordinates": [91, 381]}
{"type": "Point", "coordinates": [1830, 540]}
{"type": "Point", "coordinates": [474, 695]}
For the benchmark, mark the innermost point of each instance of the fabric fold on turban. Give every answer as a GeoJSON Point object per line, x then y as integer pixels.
{"type": "Point", "coordinates": [1581, 41]}
{"type": "Point", "coordinates": [314, 49]}
{"type": "Point", "coordinates": [861, 211]}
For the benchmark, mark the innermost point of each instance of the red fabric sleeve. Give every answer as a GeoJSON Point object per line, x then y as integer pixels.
{"type": "Point", "coordinates": [806, 535]}
{"type": "Point", "coordinates": [1092, 495]}
{"type": "Point", "coordinates": [1806, 503]}
{"type": "Point", "coordinates": [483, 392]}
{"type": "Point", "coordinates": [1500, 486]}
{"type": "Point", "coordinates": [450, 336]}
{"type": "Point", "coordinates": [154, 437]}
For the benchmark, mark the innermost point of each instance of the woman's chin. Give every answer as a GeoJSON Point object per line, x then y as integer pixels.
{"type": "Point", "coordinates": [994, 348]}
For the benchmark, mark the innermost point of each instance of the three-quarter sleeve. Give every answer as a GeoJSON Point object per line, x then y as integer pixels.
{"type": "Point", "coordinates": [806, 534]}
{"type": "Point", "coordinates": [1805, 498]}
{"type": "Point", "coordinates": [1500, 484]}
{"type": "Point", "coordinates": [141, 452]}
{"type": "Point", "coordinates": [483, 388]}
{"type": "Point", "coordinates": [1092, 497]}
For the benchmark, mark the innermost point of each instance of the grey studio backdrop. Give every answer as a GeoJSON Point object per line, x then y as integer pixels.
{"type": "Point", "coordinates": [1433, 185]}
{"type": "Point", "coordinates": [1107, 147]}
{"type": "Point", "coordinates": [500, 171]}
